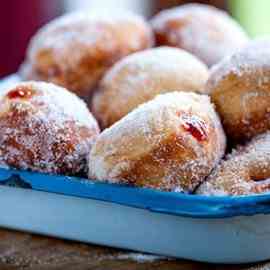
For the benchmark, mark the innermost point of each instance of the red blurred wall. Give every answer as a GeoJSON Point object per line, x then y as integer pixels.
{"type": "Point", "coordinates": [19, 20]}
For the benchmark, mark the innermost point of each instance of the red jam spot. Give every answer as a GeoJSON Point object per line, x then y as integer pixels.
{"type": "Point", "coordinates": [196, 127]}
{"type": "Point", "coordinates": [20, 92]}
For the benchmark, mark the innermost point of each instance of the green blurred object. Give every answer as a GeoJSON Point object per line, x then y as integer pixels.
{"type": "Point", "coordinates": [253, 15]}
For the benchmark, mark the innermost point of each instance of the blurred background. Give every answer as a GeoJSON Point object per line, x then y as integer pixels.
{"type": "Point", "coordinates": [20, 19]}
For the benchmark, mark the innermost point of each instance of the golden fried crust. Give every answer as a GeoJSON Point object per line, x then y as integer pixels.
{"type": "Point", "coordinates": [45, 128]}
{"type": "Point", "coordinates": [203, 30]}
{"type": "Point", "coordinates": [244, 172]}
{"type": "Point", "coordinates": [75, 50]}
{"type": "Point", "coordinates": [140, 77]}
{"type": "Point", "coordinates": [240, 88]}
{"type": "Point", "coordinates": [170, 143]}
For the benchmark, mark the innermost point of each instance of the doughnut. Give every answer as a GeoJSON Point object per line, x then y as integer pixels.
{"type": "Point", "coordinates": [74, 51]}
{"type": "Point", "coordinates": [45, 128]}
{"type": "Point", "coordinates": [205, 31]}
{"type": "Point", "coordinates": [138, 78]}
{"type": "Point", "coordinates": [170, 143]}
{"type": "Point", "coordinates": [240, 88]}
{"type": "Point", "coordinates": [245, 171]}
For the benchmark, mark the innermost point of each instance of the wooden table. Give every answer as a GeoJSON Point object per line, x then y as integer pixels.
{"type": "Point", "coordinates": [26, 251]}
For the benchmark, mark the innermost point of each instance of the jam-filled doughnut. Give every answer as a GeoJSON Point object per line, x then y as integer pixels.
{"type": "Point", "coordinates": [240, 88]}
{"type": "Point", "coordinates": [140, 77]}
{"type": "Point", "coordinates": [203, 30]}
{"type": "Point", "coordinates": [170, 143]}
{"type": "Point", "coordinates": [45, 128]}
{"type": "Point", "coordinates": [244, 172]}
{"type": "Point", "coordinates": [75, 50]}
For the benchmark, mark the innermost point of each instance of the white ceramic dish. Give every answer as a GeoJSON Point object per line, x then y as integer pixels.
{"type": "Point", "coordinates": [216, 230]}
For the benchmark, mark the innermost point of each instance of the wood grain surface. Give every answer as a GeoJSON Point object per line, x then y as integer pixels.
{"type": "Point", "coordinates": [26, 251]}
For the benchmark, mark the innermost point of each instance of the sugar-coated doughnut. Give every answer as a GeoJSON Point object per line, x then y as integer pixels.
{"type": "Point", "coordinates": [140, 77]}
{"type": "Point", "coordinates": [75, 50]}
{"type": "Point", "coordinates": [203, 30]}
{"type": "Point", "coordinates": [169, 143]}
{"type": "Point", "coordinates": [45, 128]}
{"type": "Point", "coordinates": [244, 172]}
{"type": "Point", "coordinates": [240, 88]}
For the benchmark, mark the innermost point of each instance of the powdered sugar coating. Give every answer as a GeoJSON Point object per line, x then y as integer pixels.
{"type": "Point", "coordinates": [203, 30]}
{"type": "Point", "coordinates": [254, 57]}
{"type": "Point", "coordinates": [150, 147]}
{"type": "Point", "coordinates": [141, 76]}
{"type": "Point", "coordinates": [240, 88]}
{"type": "Point", "coordinates": [49, 130]}
{"type": "Point", "coordinates": [244, 172]}
{"type": "Point", "coordinates": [76, 49]}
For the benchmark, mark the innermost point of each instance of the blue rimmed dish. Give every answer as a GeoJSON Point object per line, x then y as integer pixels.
{"type": "Point", "coordinates": [209, 229]}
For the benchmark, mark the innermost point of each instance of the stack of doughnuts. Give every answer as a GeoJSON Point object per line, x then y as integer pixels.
{"type": "Point", "coordinates": [239, 86]}
{"type": "Point", "coordinates": [150, 117]}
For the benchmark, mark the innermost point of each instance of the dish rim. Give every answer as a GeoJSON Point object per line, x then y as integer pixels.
{"type": "Point", "coordinates": [172, 203]}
